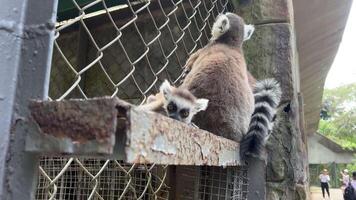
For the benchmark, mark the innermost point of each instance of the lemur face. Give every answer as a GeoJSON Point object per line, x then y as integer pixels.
{"type": "Point", "coordinates": [179, 112]}
{"type": "Point", "coordinates": [180, 104]}
{"type": "Point", "coordinates": [232, 25]}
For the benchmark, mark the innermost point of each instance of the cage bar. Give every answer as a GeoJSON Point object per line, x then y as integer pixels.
{"type": "Point", "coordinates": [26, 39]}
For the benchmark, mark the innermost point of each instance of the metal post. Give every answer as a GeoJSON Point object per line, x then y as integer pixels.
{"type": "Point", "coordinates": [26, 39]}
{"type": "Point", "coordinates": [256, 179]}
{"type": "Point", "coordinates": [334, 175]}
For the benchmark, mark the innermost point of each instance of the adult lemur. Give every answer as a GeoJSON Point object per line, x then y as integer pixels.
{"type": "Point", "coordinates": [218, 72]}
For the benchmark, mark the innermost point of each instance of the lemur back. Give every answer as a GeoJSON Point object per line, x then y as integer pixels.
{"type": "Point", "coordinates": [218, 72]}
{"type": "Point", "coordinates": [220, 75]}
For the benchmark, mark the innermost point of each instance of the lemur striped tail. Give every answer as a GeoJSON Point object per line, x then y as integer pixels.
{"type": "Point", "coordinates": [267, 95]}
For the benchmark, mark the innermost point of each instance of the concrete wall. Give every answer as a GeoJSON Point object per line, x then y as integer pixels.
{"type": "Point", "coordinates": [320, 154]}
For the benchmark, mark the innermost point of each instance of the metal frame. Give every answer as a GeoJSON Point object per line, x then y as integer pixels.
{"type": "Point", "coordinates": [113, 128]}
{"type": "Point", "coordinates": [139, 139]}
{"type": "Point", "coordinates": [26, 34]}
{"type": "Point", "coordinates": [256, 179]}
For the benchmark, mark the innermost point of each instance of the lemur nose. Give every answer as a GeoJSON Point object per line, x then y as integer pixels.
{"type": "Point", "coordinates": [174, 116]}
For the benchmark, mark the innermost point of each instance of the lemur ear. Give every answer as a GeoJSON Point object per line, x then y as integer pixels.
{"type": "Point", "coordinates": [220, 26]}
{"type": "Point", "coordinates": [248, 31]}
{"type": "Point", "coordinates": [166, 89]}
{"type": "Point", "coordinates": [201, 104]}
{"type": "Point", "coordinates": [151, 98]}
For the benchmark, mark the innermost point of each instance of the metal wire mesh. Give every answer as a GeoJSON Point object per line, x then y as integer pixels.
{"type": "Point", "coordinates": [73, 178]}
{"type": "Point", "coordinates": [219, 183]}
{"type": "Point", "coordinates": [214, 183]}
{"type": "Point", "coordinates": [125, 49]}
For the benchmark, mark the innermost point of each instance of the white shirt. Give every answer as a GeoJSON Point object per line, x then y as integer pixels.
{"type": "Point", "coordinates": [324, 178]}
{"type": "Point", "coordinates": [345, 179]}
{"type": "Point", "coordinates": [353, 183]}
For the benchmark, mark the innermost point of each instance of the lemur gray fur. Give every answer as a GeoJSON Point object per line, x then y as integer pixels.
{"type": "Point", "coordinates": [218, 72]}
{"type": "Point", "coordinates": [176, 103]}
{"type": "Point", "coordinates": [267, 94]}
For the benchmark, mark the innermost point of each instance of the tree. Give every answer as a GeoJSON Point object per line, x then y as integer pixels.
{"type": "Point", "coordinates": [338, 115]}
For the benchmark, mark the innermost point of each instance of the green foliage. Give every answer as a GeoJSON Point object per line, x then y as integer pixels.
{"type": "Point", "coordinates": [351, 167]}
{"type": "Point", "coordinates": [338, 116]}
{"type": "Point", "coordinates": [340, 100]}
{"type": "Point", "coordinates": [326, 127]}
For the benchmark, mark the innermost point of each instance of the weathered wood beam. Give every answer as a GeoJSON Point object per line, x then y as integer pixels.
{"type": "Point", "coordinates": [112, 128]}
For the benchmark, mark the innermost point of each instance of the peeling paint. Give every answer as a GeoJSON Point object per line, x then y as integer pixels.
{"type": "Point", "coordinates": [143, 153]}
{"type": "Point", "coordinates": [28, 31]}
{"type": "Point", "coordinates": [227, 158]}
{"type": "Point", "coordinates": [161, 144]}
{"type": "Point", "coordinates": [167, 141]}
{"type": "Point", "coordinates": [8, 26]}
{"type": "Point", "coordinates": [205, 150]}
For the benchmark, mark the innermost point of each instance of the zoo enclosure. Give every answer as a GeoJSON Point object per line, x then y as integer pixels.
{"type": "Point", "coordinates": [115, 48]}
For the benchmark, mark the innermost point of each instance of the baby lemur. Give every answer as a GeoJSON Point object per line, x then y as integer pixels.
{"type": "Point", "coordinates": [176, 103]}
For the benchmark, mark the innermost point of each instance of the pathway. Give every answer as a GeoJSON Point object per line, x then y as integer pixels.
{"type": "Point", "coordinates": [335, 194]}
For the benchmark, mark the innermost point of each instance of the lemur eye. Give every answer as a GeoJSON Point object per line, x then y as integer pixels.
{"type": "Point", "coordinates": [184, 113]}
{"type": "Point", "coordinates": [171, 107]}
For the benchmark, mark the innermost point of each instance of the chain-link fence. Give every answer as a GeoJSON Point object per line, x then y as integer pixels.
{"type": "Point", "coordinates": [125, 49]}
{"type": "Point", "coordinates": [334, 172]}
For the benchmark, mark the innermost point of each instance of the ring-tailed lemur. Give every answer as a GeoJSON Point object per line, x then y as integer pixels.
{"type": "Point", "coordinates": [220, 26]}
{"type": "Point", "coordinates": [267, 95]}
{"type": "Point", "coordinates": [218, 72]}
{"type": "Point", "coordinates": [176, 103]}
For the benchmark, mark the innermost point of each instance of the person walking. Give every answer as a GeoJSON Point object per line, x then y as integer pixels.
{"type": "Point", "coordinates": [345, 179]}
{"type": "Point", "coordinates": [324, 182]}
{"type": "Point", "coordinates": [353, 182]}
{"type": "Point", "coordinates": [350, 190]}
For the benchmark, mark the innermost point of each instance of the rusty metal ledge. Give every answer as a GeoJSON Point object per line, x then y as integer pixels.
{"type": "Point", "coordinates": [112, 128]}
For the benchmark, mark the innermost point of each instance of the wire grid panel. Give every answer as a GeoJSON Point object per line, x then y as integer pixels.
{"type": "Point", "coordinates": [218, 183]}
{"type": "Point", "coordinates": [74, 179]}
{"type": "Point", "coordinates": [124, 49]}
{"type": "Point", "coordinates": [214, 183]}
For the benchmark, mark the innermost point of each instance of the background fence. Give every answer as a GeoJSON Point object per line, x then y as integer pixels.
{"type": "Point", "coordinates": [334, 172]}
{"type": "Point", "coordinates": [125, 49]}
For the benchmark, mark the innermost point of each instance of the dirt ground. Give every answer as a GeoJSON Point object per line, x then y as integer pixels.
{"type": "Point", "coordinates": [335, 194]}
